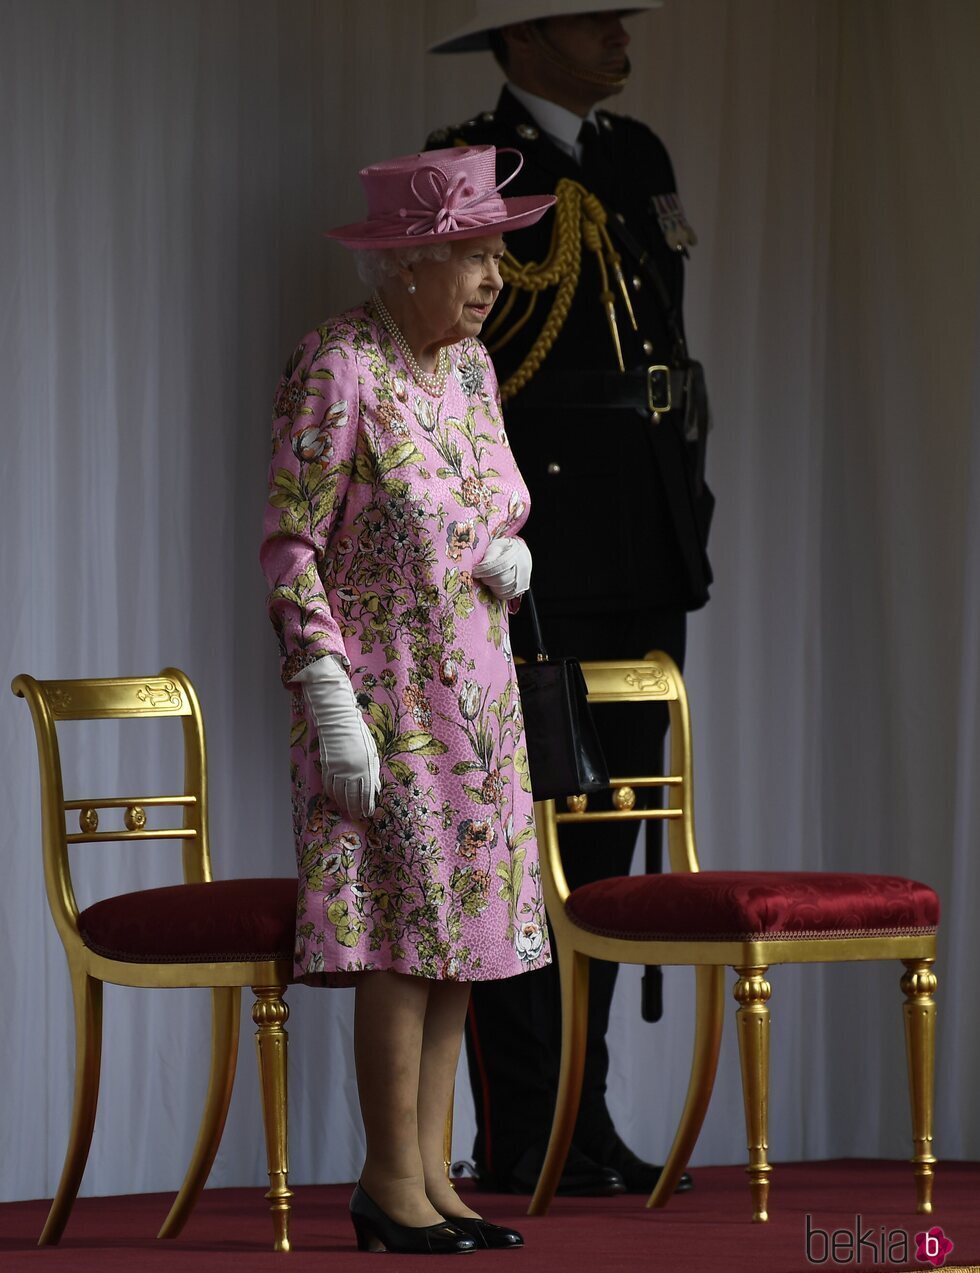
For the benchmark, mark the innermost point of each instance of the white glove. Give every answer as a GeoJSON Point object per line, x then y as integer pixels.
{"type": "Point", "coordinates": [348, 754]}
{"type": "Point", "coordinates": [505, 568]}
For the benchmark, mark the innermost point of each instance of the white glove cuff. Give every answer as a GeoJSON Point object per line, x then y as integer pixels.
{"type": "Point", "coordinates": [331, 667]}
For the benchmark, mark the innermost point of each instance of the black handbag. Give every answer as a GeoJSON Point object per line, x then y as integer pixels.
{"type": "Point", "coordinates": [563, 751]}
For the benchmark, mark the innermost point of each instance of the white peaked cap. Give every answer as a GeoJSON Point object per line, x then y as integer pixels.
{"type": "Point", "coordinates": [491, 14]}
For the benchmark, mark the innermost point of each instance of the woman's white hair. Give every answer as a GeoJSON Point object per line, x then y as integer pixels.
{"type": "Point", "coordinates": [376, 265]}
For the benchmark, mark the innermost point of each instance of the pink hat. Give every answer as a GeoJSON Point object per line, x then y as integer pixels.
{"type": "Point", "coordinates": [438, 195]}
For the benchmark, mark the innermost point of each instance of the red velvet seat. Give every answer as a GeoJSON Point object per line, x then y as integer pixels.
{"type": "Point", "coordinates": [745, 920]}
{"type": "Point", "coordinates": [220, 935]}
{"type": "Point", "coordinates": [225, 921]}
{"type": "Point", "coordinates": [751, 905]}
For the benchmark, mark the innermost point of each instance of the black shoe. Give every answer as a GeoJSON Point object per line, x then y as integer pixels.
{"type": "Point", "coordinates": [378, 1232]}
{"type": "Point", "coordinates": [492, 1236]}
{"type": "Point", "coordinates": [639, 1176]}
{"type": "Point", "coordinates": [581, 1177]}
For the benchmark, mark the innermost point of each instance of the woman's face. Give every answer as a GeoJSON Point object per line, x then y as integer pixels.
{"type": "Point", "coordinates": [453, 298]}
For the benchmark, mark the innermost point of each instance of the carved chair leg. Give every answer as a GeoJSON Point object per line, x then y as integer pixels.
{"type": "Point", "coordinates": [574, 975]}
{"type": "Point", "coordinates": [752, 1019]}
{"type": "Point", "coordinates": [919, 986]}
{"type": "Point", "coordinates": [226, 1003]}
{"type": "Point", "coordinates": [704, 1066]}
{"type": "Point", "coordinates": [270, 1013]}
{"type": "Point", "coordinates": [87, 995]}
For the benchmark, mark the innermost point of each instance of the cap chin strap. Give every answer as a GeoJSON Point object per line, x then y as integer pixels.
{"type": "Point", "coordinates": [601, 79]}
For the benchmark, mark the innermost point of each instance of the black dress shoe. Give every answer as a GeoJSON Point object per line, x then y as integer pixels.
{"type": "Point", "coordinates": [581, 1177]}
{"type": "Point", "coordinates": [494, 1237]}
{"type": "Point", "coordinates": [639, 1176]}
{"type": "Point", "coordinates": [376, 1231]}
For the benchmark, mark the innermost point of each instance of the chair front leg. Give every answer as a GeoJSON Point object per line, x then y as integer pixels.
{"type": "Point", "coordinates": [270, 1013]}
{"type": "Point", "coordinates": [704, 1066]}
{"type": "Point", "coordinates": [87, 995]}
{"type": "Point", "coordinates": [573, 969]}
{"type": "Point", "coordinates": [919, 986]}
{"type": "Point", "coordinates": [752, 993]}
{"type": "Point", "coordinates": [226, 1003]}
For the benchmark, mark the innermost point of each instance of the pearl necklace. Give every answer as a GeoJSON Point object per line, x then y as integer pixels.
{"type": "Point", "coordinates": [433, 382]}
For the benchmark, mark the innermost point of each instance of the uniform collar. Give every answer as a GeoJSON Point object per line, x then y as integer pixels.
{"type": "Point", "coordinates": [561, 126]}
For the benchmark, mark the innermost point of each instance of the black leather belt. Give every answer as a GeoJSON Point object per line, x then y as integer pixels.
{"type": "Point", "coordinates": [655, 388]}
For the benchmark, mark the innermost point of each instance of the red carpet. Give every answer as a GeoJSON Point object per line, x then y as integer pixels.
{"type": "Point", "coordinates": [705, 1231]}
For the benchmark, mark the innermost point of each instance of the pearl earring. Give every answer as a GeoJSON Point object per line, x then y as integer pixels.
{"type": "Point", "coordinates": [411, 289]}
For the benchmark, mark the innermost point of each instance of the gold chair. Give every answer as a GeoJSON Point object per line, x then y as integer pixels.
{"type": "Point", "coordinates": [219, 934]}
{"type": "Point", "coordinates": [745, 919]}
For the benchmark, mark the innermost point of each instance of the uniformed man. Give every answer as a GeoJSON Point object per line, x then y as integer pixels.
{"type": "Point", "coordinates": [607, 415]}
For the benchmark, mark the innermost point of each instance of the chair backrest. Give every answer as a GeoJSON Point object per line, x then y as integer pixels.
{"type": "Point", "coordinates": [652, 679]}
{"type": "Point", "coordinates": [118, 698]}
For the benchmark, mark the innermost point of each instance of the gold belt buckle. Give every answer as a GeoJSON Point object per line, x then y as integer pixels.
{"type": "Point", "coordinates": [658, 388]}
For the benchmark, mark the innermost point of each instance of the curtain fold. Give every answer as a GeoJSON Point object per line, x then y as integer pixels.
{"type": "Point", "coordinates": [167, 170]}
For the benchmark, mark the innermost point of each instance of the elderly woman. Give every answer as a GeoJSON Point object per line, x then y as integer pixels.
{"type": "Point", "coordinates": [392, 558]}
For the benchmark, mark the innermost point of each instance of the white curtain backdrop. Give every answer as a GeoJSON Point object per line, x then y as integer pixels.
{"type": "Point", "coordinates": [166, 167]}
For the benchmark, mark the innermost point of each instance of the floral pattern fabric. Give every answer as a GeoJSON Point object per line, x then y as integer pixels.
{"type": "Point", "coordinates": [382, 497]}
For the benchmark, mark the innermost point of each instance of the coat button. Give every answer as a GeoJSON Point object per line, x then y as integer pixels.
{"type": "Point", "coordinates": [648, 347]}
{"type": "Point", "coordinates": [553, 469]}
{"type": "Point", "coordinates": [637, 282]}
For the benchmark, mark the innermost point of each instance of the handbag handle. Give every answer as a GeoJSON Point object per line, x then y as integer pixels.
{"type": "Point", "coordinates": [541, 654]}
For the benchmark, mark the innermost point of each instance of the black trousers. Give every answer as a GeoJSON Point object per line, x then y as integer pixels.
{"type": "Point", "coordinates": [513, 1031]}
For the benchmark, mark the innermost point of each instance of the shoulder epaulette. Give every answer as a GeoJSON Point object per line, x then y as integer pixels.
{"type": "Point", "coordinates": [471, 131]}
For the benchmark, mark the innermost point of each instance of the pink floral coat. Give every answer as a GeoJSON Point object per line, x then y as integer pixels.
{"type": "Point", "coordinates": [382, 497]}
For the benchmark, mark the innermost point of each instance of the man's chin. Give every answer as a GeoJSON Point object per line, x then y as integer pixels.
{"type": "Point", "coordinates": [607, 80]}
{"type": "Point", "coordinates": [621, 74]}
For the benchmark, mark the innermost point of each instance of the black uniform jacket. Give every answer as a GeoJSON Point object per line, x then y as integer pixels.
{"type": "Point", "coordinates": [619, 510]}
